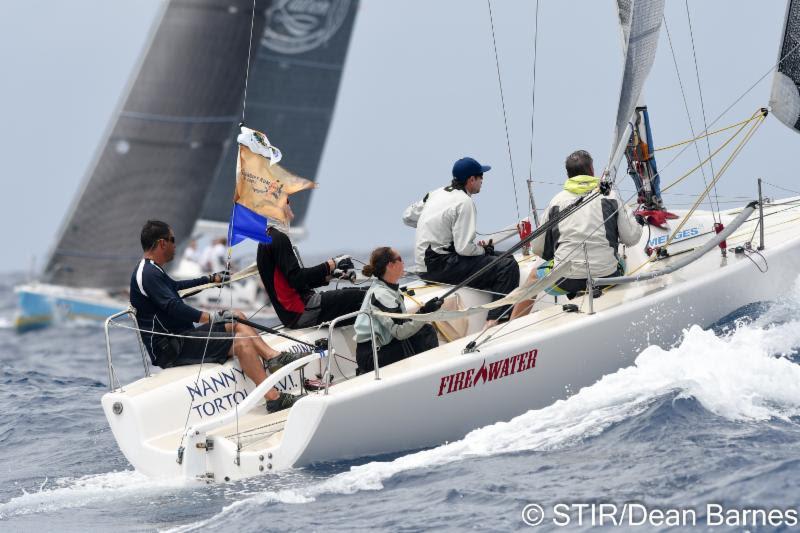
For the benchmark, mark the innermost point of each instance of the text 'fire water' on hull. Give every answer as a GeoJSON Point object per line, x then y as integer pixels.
{"type": "Point", "coordinates": [442, 394]}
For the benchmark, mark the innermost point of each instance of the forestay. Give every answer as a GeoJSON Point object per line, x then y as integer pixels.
{"type": "Point", "coordinates": [640, 22]}
{"type": "Point", "coordinates": [785, 97]}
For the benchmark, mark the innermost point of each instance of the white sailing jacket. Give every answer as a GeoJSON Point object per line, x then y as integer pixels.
{"type": "Point", "coordinates": [446, 220]}
{"type": "Point", "coordinates": [602, 224]}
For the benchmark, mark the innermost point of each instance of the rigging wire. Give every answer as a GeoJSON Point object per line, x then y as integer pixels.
{"type": "Point", "coordinates": [710, 133]}
{"type": "Point", "coordinates": [758, 114]}
{"type": "Point", "coordinates": [230, 248]}
{"type": "Point", "coordinates": [779, 187]}
{"type": "Point", "coordinates": [732, 104]}
{"type": "Point", "coordinates": [503, 104]}
{"type": "Point", "coordinates": [533, 88]}
{"type": "Point", "coordinates": [249, 52]}
{"type": "Point", "coordinates": [721, 172]}
{"type": "Point", "coordinates": [688, 115]}
{"type": "Point", "coordinates": [700, 92]}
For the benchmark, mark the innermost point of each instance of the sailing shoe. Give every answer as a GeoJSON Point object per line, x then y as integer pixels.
{"type": "Point", "coordinates": [283, 401]}
{"type": "Point", "coordinates": [283, 358]}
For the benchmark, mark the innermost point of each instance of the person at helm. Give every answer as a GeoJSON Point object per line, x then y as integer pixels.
{"type": "Point", "coordinates": [167, 324]}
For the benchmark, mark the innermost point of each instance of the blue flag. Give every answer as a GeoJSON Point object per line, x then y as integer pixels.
{"type": "Point", "coordinates": [247, 224]}
{"type": "Point", "coordinates": [262, 189]}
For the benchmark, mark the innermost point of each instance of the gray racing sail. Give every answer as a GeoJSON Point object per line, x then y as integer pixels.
{"type": "Point", "coordinates": [785, 97]}
{"type": "Point", "coordinates": [640, 22]}
{"type": "Point", "coordinates": [291, 95]}
{"type": "Point", "coordinates": [159, 157]}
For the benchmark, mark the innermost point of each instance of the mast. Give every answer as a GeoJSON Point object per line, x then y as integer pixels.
{"type": "Point", "coordinates": [640, 23]}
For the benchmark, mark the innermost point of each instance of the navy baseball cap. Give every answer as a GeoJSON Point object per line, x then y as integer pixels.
{"type": "Point", "coordinates": [466, 167]}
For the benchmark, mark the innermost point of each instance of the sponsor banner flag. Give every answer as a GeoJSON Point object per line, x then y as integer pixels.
{"type": "Point", "coordinates": [262, 188]}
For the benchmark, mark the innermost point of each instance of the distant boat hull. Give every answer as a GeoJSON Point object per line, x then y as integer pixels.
{"type": "Point", "coordinates": [39, 305]}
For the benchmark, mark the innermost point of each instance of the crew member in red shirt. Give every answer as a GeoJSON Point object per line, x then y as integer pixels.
{"type": "Point", "coordinates": [291, 287]}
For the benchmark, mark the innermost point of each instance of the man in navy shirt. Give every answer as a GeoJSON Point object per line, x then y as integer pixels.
{"type": "Point", "coordinates": [167, 323]}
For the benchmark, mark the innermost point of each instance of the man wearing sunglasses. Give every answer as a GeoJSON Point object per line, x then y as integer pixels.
{"type": "Point", "coordinates": [445, 249]}
{"type": "Point", "coordinates": [167, 324]}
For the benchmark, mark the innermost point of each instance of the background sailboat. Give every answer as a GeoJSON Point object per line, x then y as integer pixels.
{"type": "Point", "coordinates": [168, 152]}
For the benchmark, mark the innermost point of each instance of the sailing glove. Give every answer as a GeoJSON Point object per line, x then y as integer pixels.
{"type": "Point", "coordinates": [431, 306]}
{"type": "Point", "coordinates": [220, 277]}
{"type": "Point", "coordinates": [343, 262]}
{"type": "Point", "coordinates": [344, 274]}
{"type": "Point", "coordinates": [225, 316]}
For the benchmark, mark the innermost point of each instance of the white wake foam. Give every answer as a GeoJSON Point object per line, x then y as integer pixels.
{"type": "Point", "coordinates": [737, 376]}
{"type": "Point", "coordinates": [69, 493]}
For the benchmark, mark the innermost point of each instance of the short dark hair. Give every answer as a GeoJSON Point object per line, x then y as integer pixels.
{"type": "Point", "coordinates": [578, 163]}
{"type": "Point", "coordinates": [152, 232]}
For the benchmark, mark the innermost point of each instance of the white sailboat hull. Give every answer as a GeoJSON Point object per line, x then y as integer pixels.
{"type": "Point", "coordinates": [442, 394]}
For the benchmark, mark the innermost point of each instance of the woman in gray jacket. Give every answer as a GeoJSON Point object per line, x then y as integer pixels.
{"type": "Point", "coordinates": [396, 338]}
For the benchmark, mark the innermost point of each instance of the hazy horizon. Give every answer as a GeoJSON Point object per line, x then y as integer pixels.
{"type": "Point", "coordinates": [419, 91]}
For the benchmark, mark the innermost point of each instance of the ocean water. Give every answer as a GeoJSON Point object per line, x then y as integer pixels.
{"type": "Point", "coordinates": [708, 429]}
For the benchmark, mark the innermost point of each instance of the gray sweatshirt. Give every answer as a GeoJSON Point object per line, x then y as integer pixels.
{"type": "Point", "coordinates": [384, 296]}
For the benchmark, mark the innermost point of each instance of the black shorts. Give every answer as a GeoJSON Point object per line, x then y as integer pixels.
{"type": "Point", "coordinates": [195, 346]}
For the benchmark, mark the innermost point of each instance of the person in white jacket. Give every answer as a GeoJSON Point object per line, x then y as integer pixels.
{"type": "Point", "coordinates": [445, 248]}
{"type": "Point", "coordinates": [602, 225]}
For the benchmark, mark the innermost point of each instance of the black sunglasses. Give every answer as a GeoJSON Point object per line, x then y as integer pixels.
{"type": "Point", "coordinates": [171, 239]}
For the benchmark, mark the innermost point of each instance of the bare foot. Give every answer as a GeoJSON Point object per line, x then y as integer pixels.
{"type": "Point", "coordinates": [489, 324]}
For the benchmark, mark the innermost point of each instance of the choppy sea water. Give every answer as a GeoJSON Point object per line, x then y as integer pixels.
{"type": "Point", "coordinates": [710, 425]}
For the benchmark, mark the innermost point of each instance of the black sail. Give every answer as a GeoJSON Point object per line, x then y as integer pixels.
{"type": "Point", "coordinates": [291, 95]}
{"type": "Point", "coordinates": [165, 143]}
{"type": "Point", "coordinates": [785, 98]}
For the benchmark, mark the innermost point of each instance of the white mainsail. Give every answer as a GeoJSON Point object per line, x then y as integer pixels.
{"type": "Point", "coordinates": [640, 22]}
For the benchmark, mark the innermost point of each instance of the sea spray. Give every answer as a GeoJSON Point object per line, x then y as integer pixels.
{"type": "Point", "coordinates": [736, 376]}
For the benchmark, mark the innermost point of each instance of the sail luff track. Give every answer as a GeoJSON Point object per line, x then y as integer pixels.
{"type": "Point", "coordinates": [640, 22]}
